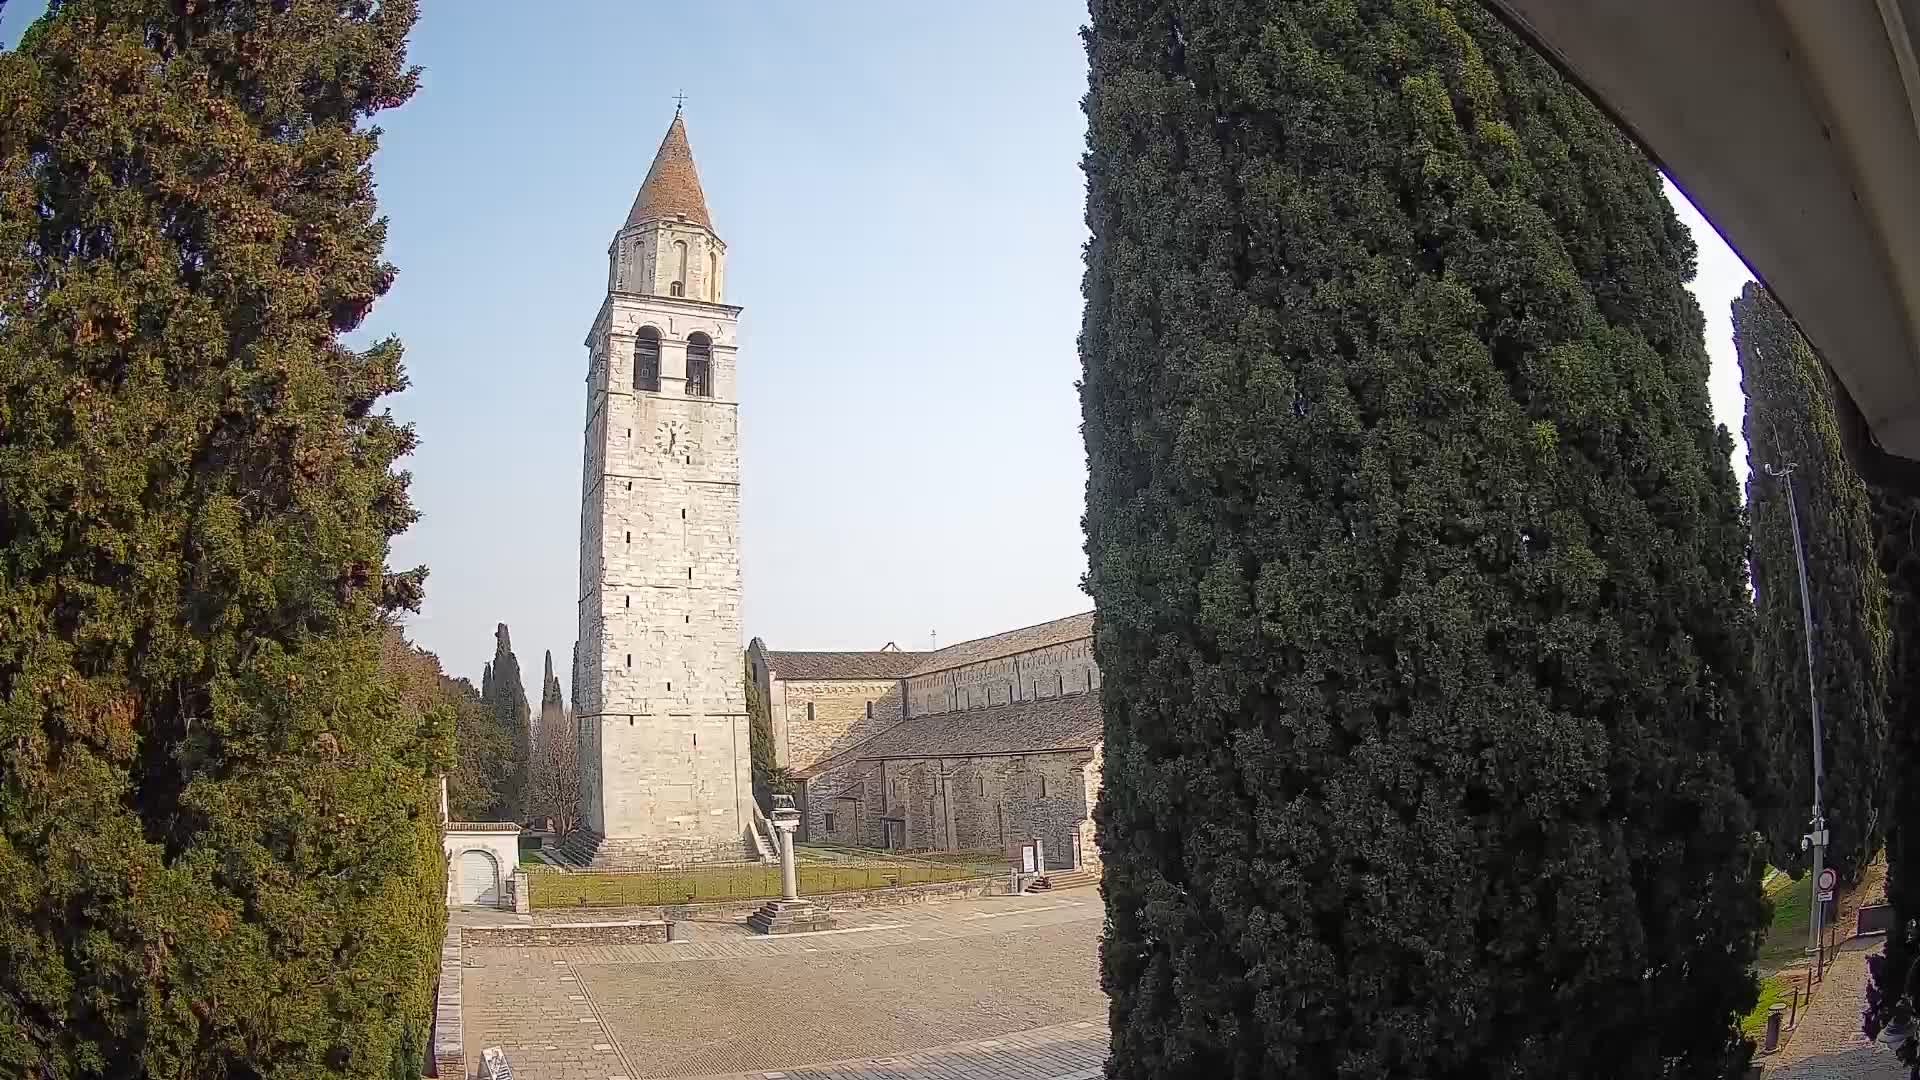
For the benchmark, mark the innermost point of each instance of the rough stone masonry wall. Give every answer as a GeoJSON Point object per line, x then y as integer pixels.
{"type": "Point", "coordinates": [987, 802]}
{"type": "Point", "coordinates": [1040, 673]}
{"type": "Point", "coordinates": [845, 713]}
{"type": "Point", "coordinates": [660, 626]}
{"type": "Point", "coordinates": [632, 932]}
{"type": "Point", "coordinates": [1092, 775]}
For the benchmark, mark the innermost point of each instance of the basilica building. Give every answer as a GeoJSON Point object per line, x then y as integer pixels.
{"type": "Point", "coordinates": [985, 745]}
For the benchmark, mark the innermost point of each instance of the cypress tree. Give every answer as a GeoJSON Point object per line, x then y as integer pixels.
{"type": "Point", "coordinates": [219, 852]}
{"type": "Point", "coordinates": [1790, 421]}
{"type": "Point", "coordinates": [1894, 990]}
{"type": "Point", "coordinates": [550, 686]}
{"type": "Point", "coordinates": [514, 718]}
{"type": "Point", "coordinates": [1418, 563]}
{"type": "Point", "coordinates": [760, 754]}
{"type": "Point", "coordinates": [486, 683]}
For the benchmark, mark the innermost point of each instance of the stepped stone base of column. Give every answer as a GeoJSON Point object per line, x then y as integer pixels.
{"type": "Point", "coordinates": [790, 917]}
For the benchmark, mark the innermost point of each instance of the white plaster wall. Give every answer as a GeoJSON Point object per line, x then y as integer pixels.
{"type": "Point", "coordinates": [502, 843]}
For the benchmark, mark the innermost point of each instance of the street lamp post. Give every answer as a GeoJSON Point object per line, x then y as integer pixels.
{"type": "Point", "coordinates": [1815, 840]}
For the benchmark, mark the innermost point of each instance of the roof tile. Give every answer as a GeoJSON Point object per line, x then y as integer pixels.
{"type": "Point", "coordinates": [1025, 639]}
{"type": "Point", "coordinates": [1056, 723]}
{"type": "Point", "coordinates": [672, 187]}
{"type": "Point", "coordinates": [891, 664]}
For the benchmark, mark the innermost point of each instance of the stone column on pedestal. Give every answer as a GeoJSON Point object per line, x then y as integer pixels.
{"type": "Point", "coordinates": [786, 821]}
{"type": "Point", "coordinates": [789, 914]}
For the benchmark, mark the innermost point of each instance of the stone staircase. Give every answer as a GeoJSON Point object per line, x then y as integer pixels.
{"type": "Point", "coordinates": [760, 837]}
{"type": "Point", "coordinates": [1063, 879]}
{"type": "Point", "coordinates": [790, 917]}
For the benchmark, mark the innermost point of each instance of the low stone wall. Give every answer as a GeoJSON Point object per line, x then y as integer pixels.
{"type": "Point", "coordinates": [449, 1040]}
{"type": "Point", "coordinates": [624, 932]}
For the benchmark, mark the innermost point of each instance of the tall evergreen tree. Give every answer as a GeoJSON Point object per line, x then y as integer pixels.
{"type": "Point", "coordinates": [514, 717]}
{"type": "Point", "coordinates": [1418, 561]}
{"type": "Point", "coordinates": [219, 853]}
{"type": "Point", "coordinates": [759, 740]}
{"type": "Point", "coordinates": [1790, 421]}
{"type": "Point", "coordinates": [1895, 989]}
{"type": "Point", "coordinates": [550, 696]}
{"type": "Point", "coordinates": [486, 683]}
{"type": "Point", "coordinates": [482, 753]}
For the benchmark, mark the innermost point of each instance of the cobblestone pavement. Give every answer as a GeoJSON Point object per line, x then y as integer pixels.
{"type": "Point", "coordinates": [1063, 1052]}
{"type": "Point", "coordinates": [1827, 1043]}
{"type": "Point", "coordinates": [927, 982]}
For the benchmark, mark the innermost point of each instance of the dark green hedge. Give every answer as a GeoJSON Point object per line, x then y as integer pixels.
{"type": "Point", "coordinates": [1418, 560]}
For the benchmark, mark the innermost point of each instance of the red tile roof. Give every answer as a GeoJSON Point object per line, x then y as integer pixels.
{"type": "Point", "coordinates": [672, 187]}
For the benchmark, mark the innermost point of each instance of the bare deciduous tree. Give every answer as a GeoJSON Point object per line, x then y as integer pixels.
{"type": "Point", "coordinates": [553, 788]}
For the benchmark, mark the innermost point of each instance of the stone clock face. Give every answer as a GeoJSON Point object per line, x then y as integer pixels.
{"type": "Point", "coordinates": [672, 437]}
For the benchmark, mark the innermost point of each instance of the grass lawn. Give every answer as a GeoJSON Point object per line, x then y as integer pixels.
{"type": "Point", "coordinates": [819, 851]}
{"type": "Point", "coordinates": [1786, 940]}
{"type": "Point", "coordinates": [558, 889]}
{"type": "Point", "coordinates": [1772, 988]}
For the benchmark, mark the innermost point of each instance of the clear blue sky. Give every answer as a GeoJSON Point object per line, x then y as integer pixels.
{"type": "Point", "coordinates": [902, 203]}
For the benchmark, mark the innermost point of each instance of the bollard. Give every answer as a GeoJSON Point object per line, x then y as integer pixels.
{"type": "Point", "coordinates": [1793, 1018]}
{"type": "Point", "coordinates": [1775, 1013]}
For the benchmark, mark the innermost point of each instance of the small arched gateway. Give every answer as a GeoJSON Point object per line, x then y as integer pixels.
{"type": "Point", "coordinates": [481, 857]}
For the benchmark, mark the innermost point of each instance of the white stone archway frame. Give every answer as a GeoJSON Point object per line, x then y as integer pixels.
{"type": "Point", "coordinates": [499, 840]}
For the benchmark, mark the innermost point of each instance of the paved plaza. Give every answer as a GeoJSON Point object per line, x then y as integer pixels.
{"type": "Point", "coordinates": [1001, 987]}
{"type": "Point", "coordinates": [1828, 1044]}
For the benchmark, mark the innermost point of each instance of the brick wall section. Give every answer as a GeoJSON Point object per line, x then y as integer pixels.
{"type": "Point", "coordinates": [632, 932]}
{"type": "Point", "coordinates": [845, 714]}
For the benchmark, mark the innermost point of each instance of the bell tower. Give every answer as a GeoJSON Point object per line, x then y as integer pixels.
{"type": "Point", "coordinates": [662, 713]}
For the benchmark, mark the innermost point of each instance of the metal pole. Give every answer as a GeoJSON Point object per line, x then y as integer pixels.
{"type": "Point", "coordinates": [1817, 839]}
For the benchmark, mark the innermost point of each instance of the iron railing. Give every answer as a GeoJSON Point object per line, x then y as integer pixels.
{"type": "Point", "coordinates": [731, 881]}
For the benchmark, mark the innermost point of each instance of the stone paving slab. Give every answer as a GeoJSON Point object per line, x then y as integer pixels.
{"type": "Point", "coordinates": [728, 1002]}
{"type": "Point", "coordinates": [1827, 1043]}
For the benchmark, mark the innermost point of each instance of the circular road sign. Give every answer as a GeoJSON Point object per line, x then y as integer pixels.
{"type": "Point", "coordinates": [1828, 879]}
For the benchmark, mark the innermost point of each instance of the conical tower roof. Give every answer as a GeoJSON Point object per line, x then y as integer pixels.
{"type": "Point", "coordinates": [672, 187]}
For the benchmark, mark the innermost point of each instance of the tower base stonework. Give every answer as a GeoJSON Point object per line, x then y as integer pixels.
{"type": "Point", "coordinates": [591, 850]}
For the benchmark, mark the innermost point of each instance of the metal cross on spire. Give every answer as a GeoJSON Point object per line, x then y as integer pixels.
{"type": "Point", "coordinates": [679, 101]}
